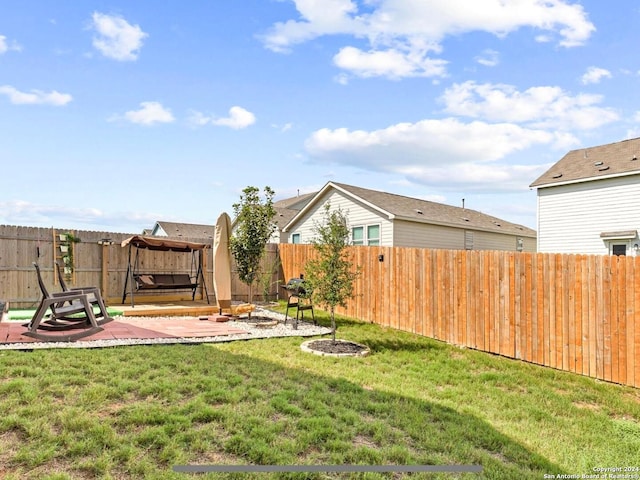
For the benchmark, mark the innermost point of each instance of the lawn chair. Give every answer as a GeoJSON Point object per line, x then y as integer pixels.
{"type": "Point", "coordinates": [95, 297]}
{"type": "Point", "coordinates": [71, 310]}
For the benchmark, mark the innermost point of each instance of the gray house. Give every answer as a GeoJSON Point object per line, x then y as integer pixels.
{"type": "Point", "coordinates": [380, 218]}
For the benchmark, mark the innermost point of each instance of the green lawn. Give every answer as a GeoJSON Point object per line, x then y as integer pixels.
{"type": "Point", "coordinates": [135, 412]}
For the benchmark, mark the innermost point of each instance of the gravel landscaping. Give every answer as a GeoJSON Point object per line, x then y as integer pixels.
{"type": "Point", "coordinates": [253, 329]}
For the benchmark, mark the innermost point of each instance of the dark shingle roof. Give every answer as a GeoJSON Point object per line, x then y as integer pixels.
{"type": "Point", "coordinates": [592, 163]}
{"type": "Point", "coordinates": [424, 211]}
{"type": "Point", "coordinates": [187, 230]}
{"type": "Point", "coordinates": [295, 203]}
{"type": "Point", "coordinates": [288, 208]}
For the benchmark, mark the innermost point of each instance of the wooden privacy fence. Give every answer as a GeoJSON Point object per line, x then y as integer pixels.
{"type": "Point", "coordinates": [578, 313]}
{"type": "Point", "coordinates": [100, 261]}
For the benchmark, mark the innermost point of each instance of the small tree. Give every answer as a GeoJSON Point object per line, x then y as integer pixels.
{"type": "Point", "coordinates": [330, 276]}
{"type": "Point", "coordinates": [254, 227]}
{"type": "Point", "coordinates": [265, 279]}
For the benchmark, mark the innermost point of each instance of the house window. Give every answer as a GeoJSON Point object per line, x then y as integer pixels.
{"type": "Point", "coordinates": [619, 249]}
{"type": "Point", "coordinates": [295, 238]}
{"type": "Point", "coordinates": [373, 235]}
{"type": "Point", "coordinates": [369, 235]}
{"type": "Point", "coordinates": [357, 235]}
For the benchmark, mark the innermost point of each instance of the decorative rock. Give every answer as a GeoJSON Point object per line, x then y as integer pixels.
{"type": "Point", "coordinates": [305, 329]}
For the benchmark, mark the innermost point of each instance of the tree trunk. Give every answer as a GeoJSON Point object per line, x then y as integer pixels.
{"type": "Point", "coordinates": [333, 324]}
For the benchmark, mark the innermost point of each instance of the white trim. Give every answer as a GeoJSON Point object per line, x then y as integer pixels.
{"type": "Point", "coordinates": [587, 179]}
{"type": "Point", "coordinates": [323, 190]}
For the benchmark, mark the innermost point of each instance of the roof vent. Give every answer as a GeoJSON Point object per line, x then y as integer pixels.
{"type": "Point", "coordinates": [602, 169]}
{"type": "Point", "coordinates": [635, 157]}
{"type": "Point", "coordinates": [465, 219]}
{"type": "Point", "coordinates": [597, 164]}
{"type": "Point", "coordinates": [419, 212]}
{"type": "Point", "coordinates": [557, 175]}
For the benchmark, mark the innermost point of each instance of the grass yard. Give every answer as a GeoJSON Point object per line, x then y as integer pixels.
{"type": "Point", "coordinates": [134, 412]}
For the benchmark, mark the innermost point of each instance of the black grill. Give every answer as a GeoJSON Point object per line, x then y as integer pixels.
{"type": "Point", "coordinates": [295, 286]}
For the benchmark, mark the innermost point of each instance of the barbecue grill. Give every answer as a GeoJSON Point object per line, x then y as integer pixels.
{"type": "Point", "coordinates": [298, 297]}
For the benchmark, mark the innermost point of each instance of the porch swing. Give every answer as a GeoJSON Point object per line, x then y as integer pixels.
{"type": "Point", "coordinates": [152, 281]}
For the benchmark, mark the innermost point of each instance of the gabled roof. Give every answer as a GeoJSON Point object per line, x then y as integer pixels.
{"type": "Point", "coordinates": [393, 206]}
{"type": "Point", "coordinates": [295, 203]}
{"type": "Point", "coordinates": [288, 208]}
{"type": "Point", "coordinates": [594, 163]}
{"type": "Point", "coordinates": [186, 230]}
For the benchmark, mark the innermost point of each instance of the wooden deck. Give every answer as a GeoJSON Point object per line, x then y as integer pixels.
{"type": "Point", "coordinates": [168, 309]}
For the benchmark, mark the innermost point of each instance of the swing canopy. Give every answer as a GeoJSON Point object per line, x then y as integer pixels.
{"type": "Point", "coordinates": [137, 280]}
{"type": "Point", "coordinates": [163, 244]}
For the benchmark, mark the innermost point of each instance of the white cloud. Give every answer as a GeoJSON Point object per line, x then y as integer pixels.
{"type": "Point", "coordinates": [594, 75]}
{"type": "Point", "coordinates": [401, 34]}
{"type": "Point", "coordinates": [427, 141]}
{"type": "Point", "coordinates": [150, 113]}
{"type": "Point", "coordinates": [6, 46]}
{"type": "Point", "coordinates": [391, 63]}
{"type": "Point", "coordinates": [282, 128]}
{"type": "Point", "coordinates": [35, 97]}
{"type": "Point", "coordinates": [198, 119]}
{"type": "Point", "coordinates": [238, 118]}
{"type": "Point", "coordinates": [541, 107]}
{"type": "Point", "coordinates": [117, 39]}
{"type": "Point", "coordinates": [436, 152]}
{"type": "Point", "coordinates": [488, 58]}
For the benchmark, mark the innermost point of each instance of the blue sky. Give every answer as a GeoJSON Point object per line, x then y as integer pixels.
{"type": "Point", "coordinates": [115, 114]}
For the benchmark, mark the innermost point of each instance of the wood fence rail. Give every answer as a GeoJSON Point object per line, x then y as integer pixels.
{"type": "Point", "coordinates": [101, 264]}
{"type": "Point", "coordinates": [578, 313]}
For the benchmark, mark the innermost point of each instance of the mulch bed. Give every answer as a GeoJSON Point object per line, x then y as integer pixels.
{"type": "Point", "coordinates": [329, 346]}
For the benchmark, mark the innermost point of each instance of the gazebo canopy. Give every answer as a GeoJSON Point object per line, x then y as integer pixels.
{"type": "Point", "coordinates": [163, 244]}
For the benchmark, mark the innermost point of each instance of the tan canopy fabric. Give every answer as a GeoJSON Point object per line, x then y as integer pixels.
{"type": "Point", "coordinates": [222, 262]}
{"type": "Point", "coordinates": [164, 244]}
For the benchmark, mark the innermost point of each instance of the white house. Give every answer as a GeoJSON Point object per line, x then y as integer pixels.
{"type": "Point", "coordinates": [380, 218]}
{"type": "Point", "coordinates": [588, 201]}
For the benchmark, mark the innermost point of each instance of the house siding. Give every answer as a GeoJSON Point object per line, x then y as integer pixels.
{"type": "Point", "coordinates": [423, 235]}
{"type": "Point", "coordinates": [357, 215]}
{"type": "Point", "coordinates": [572, 217]}
{"type": "Point", "coordinates": [501, 241]}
